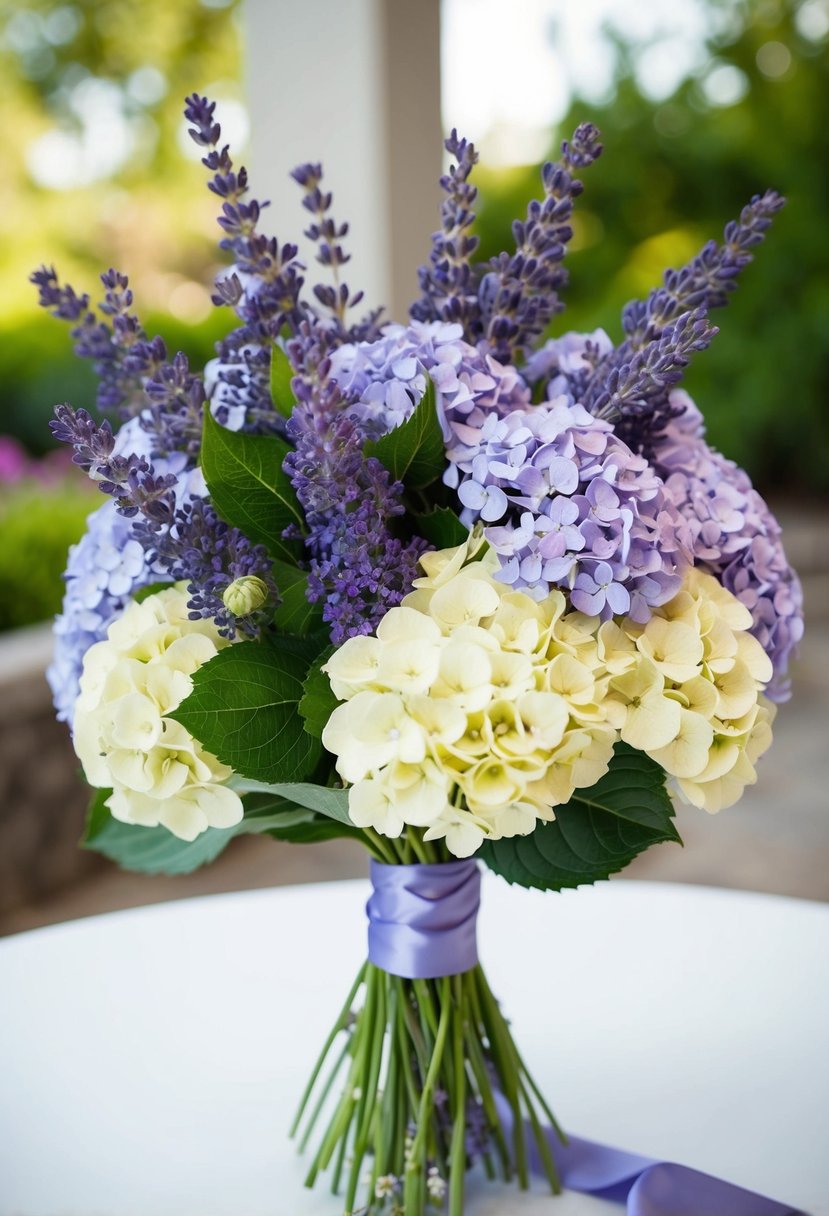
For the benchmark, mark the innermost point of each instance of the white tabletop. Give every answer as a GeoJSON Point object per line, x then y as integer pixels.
{"type": "Point", "coordinates": [150, 1060]}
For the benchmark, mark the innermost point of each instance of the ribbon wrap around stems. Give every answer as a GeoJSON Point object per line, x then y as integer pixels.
{"type": "Point", "coordinates": [422, 926]}
{"type": "Point", "coordinates": [421, 918]}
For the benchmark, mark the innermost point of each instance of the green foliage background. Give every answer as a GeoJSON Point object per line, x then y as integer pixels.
{"type": "Point", "coordinates": [673, 172]}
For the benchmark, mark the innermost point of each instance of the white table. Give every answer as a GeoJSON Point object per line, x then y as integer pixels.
{"type": "Point", "coordinates": [150, 1060]}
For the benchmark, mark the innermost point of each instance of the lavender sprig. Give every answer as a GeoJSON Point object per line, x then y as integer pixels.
{"type": "Point", "coordinates": [519, 295]}
{"type": "Point", "coordinates": [135, 377]}
{"type": "Point", "coordinates": [263, 288]}
{"type": "Point", "coordinates": [209, 555]}
{"type": "Point", "coordinates": [667, 327]}
{"type": "Point", "coordinates": [448, 283]}
{"type": "Point", "coordinates": [706, 281]}
{"type": "Point", "coordinates": [358, 568]}
{"type": "Point", "coordinates": [637, 380]}
{"type": "Point", "coordinates": [327, 234]}
{"type": "Point", "coordinates": [120, 352]}
{"type": "Point", "coordinates": [129, 479]}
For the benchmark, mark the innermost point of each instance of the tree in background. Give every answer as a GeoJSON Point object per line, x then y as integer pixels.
{"type": "Point", "coordinates": [673, 172]}
{"type": "Point", "coordinates": [95, 175]}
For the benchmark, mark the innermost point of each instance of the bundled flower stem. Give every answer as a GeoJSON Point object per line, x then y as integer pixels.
{"type": "Point", "coordinates": [430, 1080]}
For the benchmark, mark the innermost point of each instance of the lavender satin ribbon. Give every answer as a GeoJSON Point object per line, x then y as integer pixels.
{"type": "Point", "coordinates": [422, 926]}
{"type": "Point", "coordinates": [421, 919]}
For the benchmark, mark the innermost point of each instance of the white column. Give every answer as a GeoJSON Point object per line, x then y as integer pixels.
{"type": "Point", "coordinates": [354, 84]}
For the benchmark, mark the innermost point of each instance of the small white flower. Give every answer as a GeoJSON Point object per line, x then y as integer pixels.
{"type": "Point", "coordinates": [385, 1186]}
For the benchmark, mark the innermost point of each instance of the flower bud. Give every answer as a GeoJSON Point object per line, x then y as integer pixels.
{"type": "Point", "coordinates": [245, 595]}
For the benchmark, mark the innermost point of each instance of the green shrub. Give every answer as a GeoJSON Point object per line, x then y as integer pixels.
{"type": "Point", "coordinates": [38, 523]}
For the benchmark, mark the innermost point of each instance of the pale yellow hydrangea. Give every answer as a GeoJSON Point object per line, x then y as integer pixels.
{"type": "Point", "coordinates": [476, 710]}
{"type": "Point", "coordinates": [473, 711]}
{"type": "Point", "coordinates": [687, 689]}
{"type": "Point", "coordinates": [158, 773]}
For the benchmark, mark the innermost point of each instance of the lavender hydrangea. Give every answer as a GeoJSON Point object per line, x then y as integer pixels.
{"type": "Point", "coordinates": [386, 379]}
{"type": "Point", "coordinates": [567, 504]}
{"type": "Point", "coordinates": [734, 535]}
{"type": "Point", "coordinates": [104, 570]}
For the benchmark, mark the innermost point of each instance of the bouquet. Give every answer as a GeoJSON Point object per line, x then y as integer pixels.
{"type": "Point", "coordinates": [453, 588]}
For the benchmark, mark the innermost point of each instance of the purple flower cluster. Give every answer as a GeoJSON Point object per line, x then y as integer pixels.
{"type": "Point", "coordinates": [358, 568]}
{"type": "Point", "coordinates": [385, 380]}
{"type": "Point", "coordinates": [105, 568]}
{"type": "Point", "coordinates": [506, 306]}
{"type": "Point", "coordinates": [567, 504]}
{"type": "Point", "coordinates": [734, 535]}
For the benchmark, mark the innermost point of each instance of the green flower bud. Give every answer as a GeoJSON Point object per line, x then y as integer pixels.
{"type": "Point", "coordinates": [245, 595]}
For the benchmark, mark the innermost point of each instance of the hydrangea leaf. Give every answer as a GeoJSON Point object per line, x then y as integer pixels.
{"type": "Point", "coordinates": [333, 803]}
{"type": "Point", "coordinates": [144, 593]}
{"type": "Point", "coordinates": [441, 528]}
{"type": "Point", "coordinates": [244, 708]}
{"type": "Point", "coordinates": [149, 850]}
{"type": "Point", "coordinates": [596, 834]}
{"type": "Point", "coordinates": [414, 451]}
{"type": "Point", "coordinates": [282, 374]}
{"type": "Point", "coordinates": [158, 851]}
{"type": "Point", "coordinates": [249, 487]}
{"type": "Point", "coordinates": [294, 614]}
{"type": "Point", "coordinates": [318, 701]}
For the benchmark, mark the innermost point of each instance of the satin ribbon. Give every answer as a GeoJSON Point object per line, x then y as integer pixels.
{"type": "Point", "coordinates": [422, 926]}
{"type": "Point", "coordinates": [421, 919]}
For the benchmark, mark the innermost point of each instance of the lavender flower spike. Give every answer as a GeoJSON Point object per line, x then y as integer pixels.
{"type": "Point", "coordinates": [448, 283]}
{"type": "Point", "coordinates": [708, 279]}
{"type": "Point", "coordinates": [519, 296]}
{"type": "Point", "coordinates": [326, 233]}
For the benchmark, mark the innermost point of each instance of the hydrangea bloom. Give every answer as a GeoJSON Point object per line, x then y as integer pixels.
{"type": "Point", "coordinates": [568, 504]}
{"type": "Point", "coordinates": [387, 378]}
{"type": "Point", "coordinates": [124, 737]}
{"type": "Point", "coordinates": [103, 571]}
{"type": "Point", "coordinates": [734, 535]}
{"type": "Point", "coordinates": [476, 710]}
{"type": "Point", "coordinates": [471, 713]}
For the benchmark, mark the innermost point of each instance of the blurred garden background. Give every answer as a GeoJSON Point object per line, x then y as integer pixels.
{"type": "Point", "coordinates": [700, 108]}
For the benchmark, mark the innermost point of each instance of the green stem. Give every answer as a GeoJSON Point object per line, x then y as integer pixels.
{"type": "Point", "coordinates": [340, 1024]}
{"type": "Point", "coordinates": [457, 1155]}
{"type": "Point", "coordinates": [415, 1173]}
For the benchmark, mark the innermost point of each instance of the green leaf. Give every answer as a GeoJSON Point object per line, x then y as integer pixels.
{"type": "Point", "coordinates": [249, 487]}
{"type": "Point", "coordinates": [318, 701]}
{"type": "Point", "coordinates": [282, 374]}
{"type": "Point", "coordinates": [596, 834]}
{"type": "Point", "coordinates": [441, 528]}
{"type": "Point", "coordinates": [144, 593]}
{"type": "Point", "coordinates": [158, 851]}
{"type": "Point", "coordinates": [294, 614]}
{"type": "Point", "coordinates": [244, 708]}
{"type": "Point", "coordinates": [300, 826]}
{"type": "Point", "coordinates": [149, 850]}
{"type": "Point", "coordinates": [321, 798]}
{"type": "Point", "coordinates": [413, 452]}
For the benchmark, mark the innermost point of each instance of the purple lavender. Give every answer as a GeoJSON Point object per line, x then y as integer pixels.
{"type": "Point", "coordinates": [135, 378]}
{"type": "Point", "coordinates": [632, 383]}
{"type": "Point", "coordinates": [263, 287]}
{"type": "Point", "coordinates": [208, 554]}
{"type": "Point", "coordinates": [448, 283]}
{"type": "Point", "coordinates": [326, 234]}
{"type": "Point", "coordinates": [504, 311]}
{"type": "Point", "coordinates": [358, 567]}
{"type": "Point", "coordinates": [734, 535]}
{"type": "Point", "coordinates": [519, 295]}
